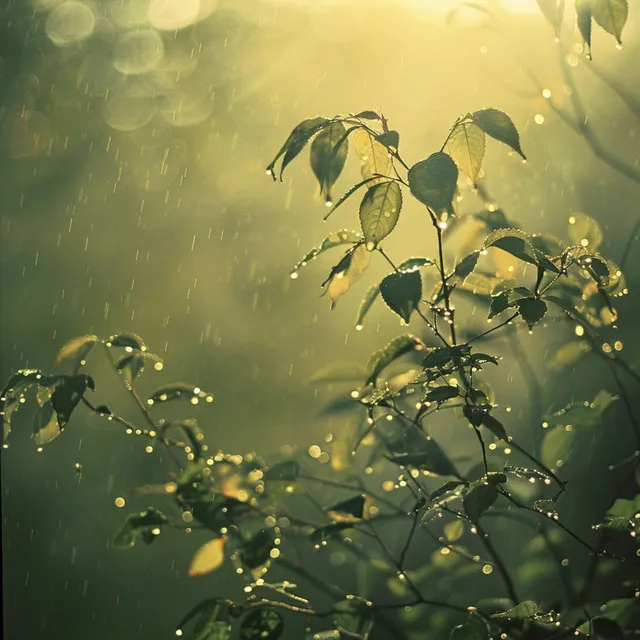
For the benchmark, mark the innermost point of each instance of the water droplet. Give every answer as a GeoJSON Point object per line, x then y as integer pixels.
{"type": "Point", "coordinates": [294, 275]}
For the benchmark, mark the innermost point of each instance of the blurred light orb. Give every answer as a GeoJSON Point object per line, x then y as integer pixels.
{"type": "Point", "coordinates": [70, 22]}
{"type": "Point", "coordinates": [171, 15]}
{"type": "Point", "coordinates": [126, 113]}
{"type": "Point", "coordinates": [138, 51]}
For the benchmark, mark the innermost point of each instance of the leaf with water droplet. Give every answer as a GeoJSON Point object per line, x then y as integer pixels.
{"type": "Point", "coordinates": [77, 350]}
{"type": "Point", "coordinates": [380, 210]}
{"type": "Point", "coordinates": [402, 291]}
{"type": "Point", "coordinates": [532, 310]}
{"type": "Point", "coordinates": [466, 144]}
{"type": "Point", "coordinates": [611, 15]}
{"type": "Point", "coordinates": [374, 158]}
{"type": "Point", "coordinates": [140, 525]}
{"type": "Point", "coordinates": [479, 499]}
{"type": "Point", "coordinates": [390, 139]}
{"type": "Point", "coordinates": [127, 340]}
{"type": "Point", "coordinates": [524, 611]}
{"type": "Point", "coordinates": [398, 347]}
{"type": "Point", "coordinates": [498, 125]}
{"type": "Point", "coordinates": [434, 181]}
{"type": "Point", "coordinates": [328, 155]}
{"type": "Point", "coordinates": [351, 510]}
{"type": "Point", "coordinates": [347, 272]}
{"type": "Point", "coordinates": [583, 19]}
{"type": "Point", "coordinates": [176, 391]}
{"type": "Point", "coordinates": [467, 265]}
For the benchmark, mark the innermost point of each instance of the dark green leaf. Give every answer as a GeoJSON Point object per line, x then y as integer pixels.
{"type": "Point", "coordinates": [145, 525]}
{"type": "Point", "coordinates": [334, 239]}
{"type": "Point", "coordinates": [532, 310]}
{"type": "Point", "coordinates": [351, 510]}
{"type": "Point", "coordinates": [466, 144]}
{"type": "Point", "coordinates": [286, 471]}
{"type": "Point", "coordinates": [262, 624]}
{"type": "Point", "coordinates": [382, 358]}
{"type": "Point", "coordinates": [517, 243]}
{"type": "Point", "coordinates": [67, 395]}
{"type": "Point", "coordinates": [179, 390]}
{"type": "Point", "coordinates": [255, 552]}
{"type": "Point", "coordinates": [499, 126]}
{"type": "Point", "coordinates": [130, 340]}
{"type": "Point", "coordinates": [77, 350]}
{"type": "Point", "coordinates": [428, 456]}
{"type": "Point", "coordinates": [213, 621]}
{"type": "Point", "coordinates": [366, 304]}
{"type": "Point", "coordinates": [45, 425]}
{"type": "Point", "coordinates": [523, 611]}
{"type": "Point", "coordinates": [402, 292]}
{"type": "Point", "coordinates": [327, 158]}
{"type": "Point", "coordinates": [467, 265]}
{"type": "Point", "coordinates": [434, 181]}
{"type": "Point", "coordinates": [440, 394]}
{"type": "Point", "coordinates": [479, 499]}
{"type": "Point", "coordinates": [494, 425]}
{"type": "Point", "coordinates": [322, 534]}
{"type": "Point", "coordinates": [367, 115]}
{"type": "Point", "coordinates": [10, 396]}
{"type": "Point", "coordinates": [441, 356]}
{"type": "Point", "coordinates": [296, 142]}
{"type": "Point", "coordinates": [583, 16]}
{"type": "Point", "coordinates": [353, 618]}
{"type": "Point", "coordinates": [390, 139]}
{"type": "Point", "coordinates": [611, 15]}
{"type": "Point", "coordinates": [379, 211]}
{"type": "Point", "coordinates": [132, 365]}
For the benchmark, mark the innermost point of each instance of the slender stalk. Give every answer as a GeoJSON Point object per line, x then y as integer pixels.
{"type": "Point", "coordinates": [499, 562]}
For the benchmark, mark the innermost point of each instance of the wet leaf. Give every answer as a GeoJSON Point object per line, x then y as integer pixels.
{"type": "Point", "coordinates": [495, 426]}
{"type": "Point", "coordinates": [77, 350]}
{"type": "Point", "coordinates": [557, 445]}
{"type": "Point", "coordinates": [296, 142]}
{"type": "Point", "coordinates": [523, 611]}
{"type": "Point", "coordinates": [130, 340]}
{"type": "Point", "coordinates": [479, 499]}
{"type": "Point", "coordinates": [500, 127]}
{"type": "Point", "coordinates": [442, 393]}
{"type": "Point", "coordinates": [347, 272]}
{"type": "Point", "coordinates": [518, 244]}
{"type": "Point", "coordinates": [390, 139]}
{"type": "Point", "coordinates": [376, 163]}
{"type": "Point", "coordinates": [466, 146]}
{"type": "Point", "coordinates": [45, 425]}
{"type": "Point", "coordinates": [143, 525]}
{"type": "Point", "coordinates": [611, 15]}
{"type": "Point", "coordinates": [350, 511]}
{"type": "Point", "coordinates": [428, 456]}
{"type": "Point", "coordinates": [474, 628]}
{"type": "Point", "coordinates": [67, 395]}
{"type": "Point", "coordinates": [583, 17]}
{"type": "Point", "coordinates": [366, 304]}
{"type": "Point", "coordinates": [467, 265]}
{"type": "Point", "coordinates": [10, 396]}
{"type": "Point", "coordinates": [262, 624]}
{"type": "Point", "coordinates": [532, 310]}
{"type": "Point", "coordinates": [382, 358]}
{"type": "Point", "coordinates": [379, 211]}
{"type": "Point", "coordinates": [207, 558]}
{"type": "Point", "coordinates": [434, 181]}
{"type": "Point", "coordinates": [327, 158]}
{"type": "Point", "coordinates": [179, 391]}
{"type": "Point", "coordinates": [402, 292]}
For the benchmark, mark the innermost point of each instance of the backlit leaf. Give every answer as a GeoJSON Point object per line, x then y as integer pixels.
{"type": "Point", "coordinates": [523, 611]}
{"type": "Point", "coordinates": [379, 211]}
{"type": "Point", "coordinates": [207, 558]}
{"type": "Point", "coordinates": [350, 511]}
{"type": "Point", "coordinates": [374, 157]}
{"type": "Point", "coordinates": [532, 310]}
{"type": "Point", "coordinates": [77, 350]}
{"type": "Point", "coordinates": [583, 18]}
{"type": "Point", "coordinates": [611, 15]}
{"type": "Point", "coordinates": [326, 158]}
{"type": "Point", "coordinates": [334, 239]}
{"type": "Point", "coordinates": [479, 499]}
{"type": "Point", "coordinates": [348, 271]}
{"type": "Point", "coordinates": [584, 231]}
{"type": "Point", "coordinates": [382, 358]}
{"type": "Point", "coordinates": [466, 146]}
{"type": "Point", "coordinates": [402, 292]}
{"type": "Point", "coordinates": [500, 127]}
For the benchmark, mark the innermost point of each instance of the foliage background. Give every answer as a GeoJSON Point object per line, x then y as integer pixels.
{"type": "Point", "coordinates": [201, 268]}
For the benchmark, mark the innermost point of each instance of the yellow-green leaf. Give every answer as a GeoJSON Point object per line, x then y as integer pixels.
{"type": "Point", "coordinates": [466, 146]}
{"type": "Point", "coordinates": [611, 15]}
{"type": "Point", "coordinates": [379, 211]}
{"type": "Point", "coordinates": [207, 558]}
{"type": "Point", "coordinates": [374, 156]}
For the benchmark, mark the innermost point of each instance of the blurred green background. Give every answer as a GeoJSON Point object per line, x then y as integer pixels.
{"type": "Point", "coordinates": [133, 197]}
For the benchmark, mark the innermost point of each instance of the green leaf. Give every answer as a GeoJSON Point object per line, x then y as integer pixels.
{"type": "Point", "coordinates": [553, 11]}
{"type": "Point", "coordinates": [428, 456]}
{"type": "Point", "coordinates": [479, 499]}
{"type": "Point", "coordinates": [499, 126]}
{"type": "Point", "coordinates": [345, 196]}
{"type": "Point", "coordinates": [474, 628]}
{"type": "Point", "coordinates": [442, 393]}
{"type": "Point", "coordinates": [255, 552]}
{"type": "Point", "coordinates": [518, 244]}
{"type": "Point", "coordinates": [367, 302]}
{"type": "Point", "coordinates": [382, 358]}
{"type": "Point", "coordinates": [347, 272]}
{"type": "Point", "coordinates": [327, 158]}
{"type": "Point", "coordinates": [353, 618]}
{"type": "Point", "coordinates": [133, 364]}
{"type": "Point", "coordinates": [349, 511]}
{"type": "Point", "coordinates": [145, 525]}
{"type": "Point", "coordinates": [296, 142]}
{"type": "Point", "coordinates": [367, 115]}
{"type": "Point", "coordinates": [285, 471]}
{"type": "Point", "coordinates": [466, 146]}
{"type": "Point", "coordinates": [45, 425]}
{"type": "Point", "coordinates": [390, 139]}
{"type": "Point", "coordinates": [611, 15]}
{"type": "Point", "coordinates": [557, 445]}
{"type": "Point", "coordinates": [375, 159]}
{"type": "Point", "coordinates": [583, 18]}
{"type": "Point", "coordinates": [13, 391]}
{"type": "Point", "coordinates": [434, 181]}
{"type": "Point", "coordinates": [67, 395]}
{"type": "Point", "coordinates": [439, 357]}
{"type": "Point", "coordinates": [179, 390]}
{"type": "Point", "coordinates": [130, 340]}
{"type": "Point", "coordinates": [77, 350]}
{"type": "Point", "coordinates": [523, 611]}
{"type": "Point", "coordinates": [402, 291]}
{"type": "Point", "coordinates": [532, 310]}
{"type": "Point", "coordinates": [583, 414]}
{"type": "Point", "coordinates": [262, 624]}
{"type": "Point", "coordinates": [379, 211]}
{"type": "Point", "coordinates": [467, 265]}
{"type": "Point", "coordinates": [495, 426]}
{"type": "Point", "coordinates": [334, 239]}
